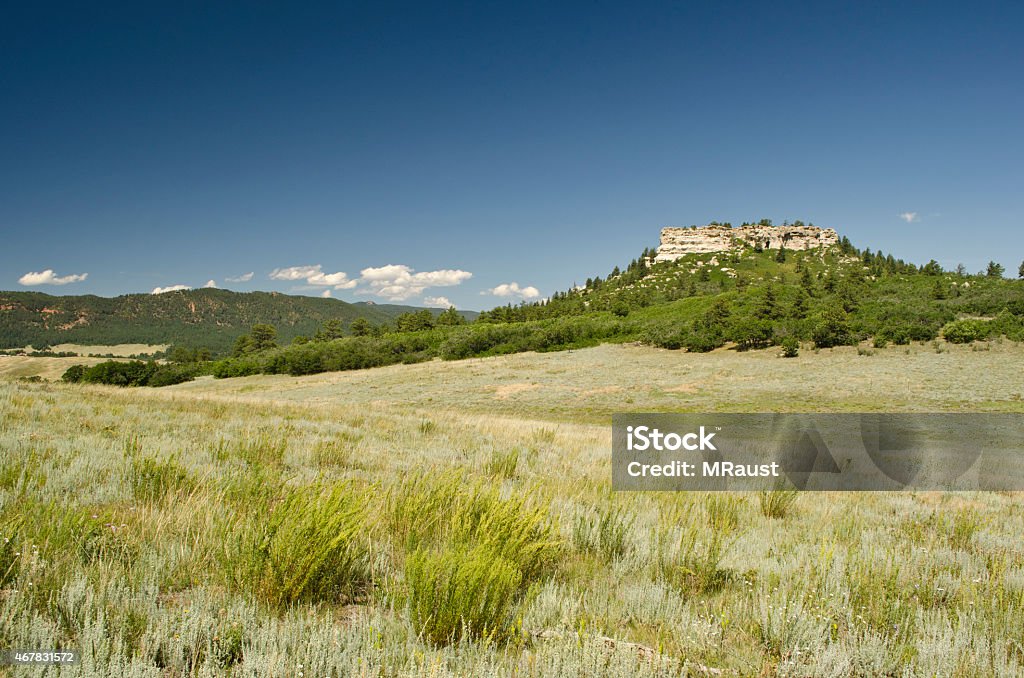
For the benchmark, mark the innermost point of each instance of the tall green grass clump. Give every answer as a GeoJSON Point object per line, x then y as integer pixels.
{"type": "Point", "coordinates": [472, 555]}
{"type": "Point", "coordinates": [605, 532]}
{"type": "Point", "coordinates": [511, 528]}
{"type": "Point", "coordinates": [777, 503]}
{"type": "Point", "coordinates": [696, 567]}
{"type": "Point", "coordinates": [152, 480]}
{"type": "Point", "coordinates": [723, 511]}
{"type": "Point", "coordinates": [503, 463]}
{"type": "Point", "coordinates": [461, 593]}
{"type": "Point", "coordinates": [309, 548]}
{"type": "Point", "coordinates": [418, 509]}
{"type": "Point", "coordinates": [10, 556]}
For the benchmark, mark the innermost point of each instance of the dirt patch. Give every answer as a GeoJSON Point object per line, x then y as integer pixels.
{"type": "Point", "coordinates": [503, 392]}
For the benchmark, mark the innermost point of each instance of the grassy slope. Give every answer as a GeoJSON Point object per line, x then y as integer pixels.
{"type": "Point", "coordinates": [849, 584]}
{"type": "Point", "coordinates": [590, 384]}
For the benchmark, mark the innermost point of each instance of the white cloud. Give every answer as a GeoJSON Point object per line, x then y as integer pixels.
{"type": "Point", "coordinates": [211, 284]}
{"type": "Point", "coordinates": [48, 277]}
{"type": "Point", "coordinates": [397, 282]}
{"type": "Point", "coordinates": [294, 272]}
{"type": "Point", "coordinates": [314, 275]}
{"type": "Point", "coordinates": [326, 294]}
{"type": "Point", "coordinates": [171, 288]}
{"type": "Point", "coordinates": [437, 302]}
{"type": "Point", "coordinates": [910, 217]}
{"type": "Point", "coordinates": [513, 289]}
{"type": "Point", "coordinates": [245, 277]}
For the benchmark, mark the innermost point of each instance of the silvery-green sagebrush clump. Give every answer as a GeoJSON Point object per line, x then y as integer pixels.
{"type": "Point", "coordinates": [212, 530]}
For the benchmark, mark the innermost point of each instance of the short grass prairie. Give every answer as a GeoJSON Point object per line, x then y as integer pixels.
{"type": "Point", "coordinates": [455, 519]}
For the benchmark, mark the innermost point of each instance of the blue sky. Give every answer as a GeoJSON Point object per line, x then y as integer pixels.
{"type": "Point", "coordinates": [450, 151]}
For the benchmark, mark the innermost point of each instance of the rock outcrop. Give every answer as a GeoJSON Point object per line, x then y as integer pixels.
{"type": "Point", "coordinates": [680, 241]}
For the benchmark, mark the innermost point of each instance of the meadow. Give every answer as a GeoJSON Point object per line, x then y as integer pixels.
{"type": "Point", "coordinates": [456, 518]}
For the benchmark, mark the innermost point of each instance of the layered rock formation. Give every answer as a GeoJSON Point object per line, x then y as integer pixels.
{"type": "Point", "coordinates": [680, 241]}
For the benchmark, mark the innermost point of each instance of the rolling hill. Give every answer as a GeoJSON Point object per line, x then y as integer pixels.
{"type": "Point", "coordinates": [208, 318]}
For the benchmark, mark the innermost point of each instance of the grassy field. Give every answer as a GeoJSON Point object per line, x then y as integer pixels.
{"type": "Point", "coordinates": [454, 519]}
{"type": "Point", "coordinates": [116, 350]}
{"type": "Point", "coordinates": [15, 366]}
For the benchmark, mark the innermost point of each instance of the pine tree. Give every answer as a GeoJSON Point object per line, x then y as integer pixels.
{"type": "Point", "coordinates": [360, 327]}
{"type": "Point", "coordinates": [994, 270]}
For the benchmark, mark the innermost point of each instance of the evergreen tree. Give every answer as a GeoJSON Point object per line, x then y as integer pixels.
{"type": "Point", "coordinates": [242, 346]}
{"type": "Point", "coordinates": [994, 270]}
{"type": "Point", "coordinates": [451, 317]}
{"type": "Point", "coordinates": [263, 336]}
{"type": "Point", "coordinates": [331, 329]}
{"type": "Point", "coordinates": [801, 304]}
{"type": "Point", "coordinates": [807, 280]}
{"type": "Point", "coordinates": [360, 327]}
{"type": "Point", "coordinates": [767, 307]}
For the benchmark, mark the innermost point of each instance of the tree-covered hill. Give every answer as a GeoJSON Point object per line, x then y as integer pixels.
{"type": "Point", "coordinates": [208, 318]}
{"type": "Point", "coordinates": [744, 299]}
{"type": "Point", "coordinates": [701, 302]}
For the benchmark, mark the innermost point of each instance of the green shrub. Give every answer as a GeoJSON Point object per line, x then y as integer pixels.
{"type": "Point", "coordinates": [236, 367]}
{"type": "Point", "coordinates": [511, 529]}
{"type": "Point", "coordinates": [750, 332]}
{"type": "Point", "coordinates": [897, 334]}
{"type": "Point", "coordinates": [419, 509]}
{"type": "Point", "coordinates": [316, 552]}
{"type": "Point", "coordinates": [1008, 325]}
{"type": "Point", "coordinates": [471, 556]}
{"type": "Point", "coordinates": [790, 347]}
{"type": "Point", "coordinates": [462, 593]}
{"type": "Point", "coordinates": [444, 508]}
{"type": "Point", "coordinates": [832, 329]}
{"type": "Point", "coordinates": [73, 374]}
{"type": "Point", "coordinates": [119, 373]}
{"type": "Point", "coordinates": [672, 336]}
{"type": "Point", "coordinates": [309, 548]}
{"type": "Point", "coordinates": [168, 375]}
{"type": "Point", "coordinates": [704, 339]}
{"type": "Point", "coordinates": [965, 331]}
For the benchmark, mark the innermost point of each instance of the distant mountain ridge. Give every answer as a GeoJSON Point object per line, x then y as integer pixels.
{"type": "Point", "coordinates": [210, 318]}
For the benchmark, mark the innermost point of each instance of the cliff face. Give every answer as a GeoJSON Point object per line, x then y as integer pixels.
{"type": "Point", "coordinates": [677, 242]}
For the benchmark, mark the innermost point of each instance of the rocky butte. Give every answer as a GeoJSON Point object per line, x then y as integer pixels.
{"type": "Point", "coordinates": [679, 241]}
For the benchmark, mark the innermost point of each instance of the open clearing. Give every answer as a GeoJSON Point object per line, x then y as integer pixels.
{"type": "Point", "coordinates": [51, 369]}
{"type": "Point", "coordinates": [591, 384]}
{"type": "Point", "coordinates": [143, 525]}
{"type": "Point", "coordinates": [116, 350]}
